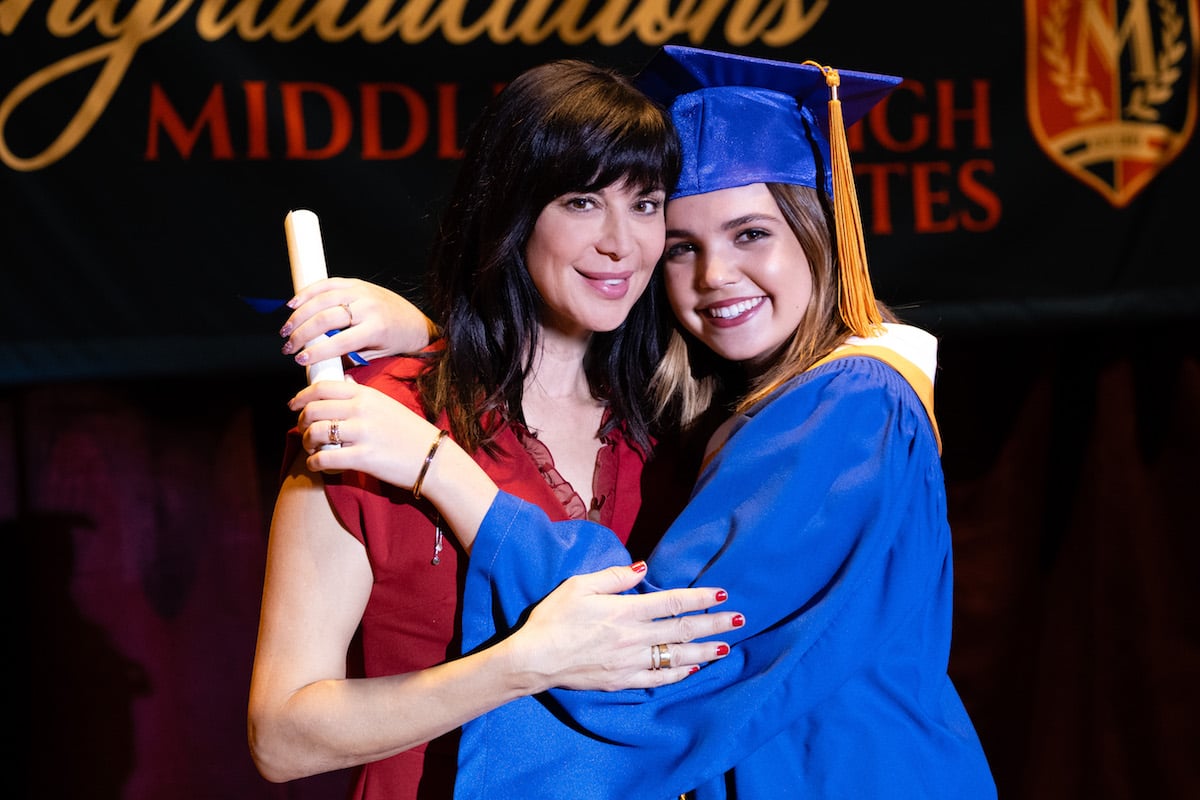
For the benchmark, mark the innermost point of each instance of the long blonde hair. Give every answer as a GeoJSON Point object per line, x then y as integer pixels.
{"type": "Point", "coordinates": [690, 378]}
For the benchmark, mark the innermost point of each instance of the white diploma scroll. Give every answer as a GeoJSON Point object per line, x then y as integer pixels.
{"type": "Point", "coordinates": [307, 254]}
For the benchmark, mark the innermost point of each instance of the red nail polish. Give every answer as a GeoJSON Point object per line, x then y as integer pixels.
{"type": "Point", "coordinates": [738, 620]}
{"type": "Point", "coordinates": [722, 595]}
{"type": "Point", "coordinates": [638, 566]}
{"type": "Point", "coordinates": [722, 649]}
{"type": "Point", "coordinates": [694, 669]}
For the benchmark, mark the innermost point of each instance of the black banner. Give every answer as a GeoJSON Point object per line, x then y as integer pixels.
{"type": "Point", "coordinates": [1036, 169]}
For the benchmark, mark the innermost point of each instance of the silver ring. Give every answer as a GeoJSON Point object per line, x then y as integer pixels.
{"type": "Point", "coordinates": [335, 436]}
{"type": "Point", "coordinates": [349, 313]}
{"type": "Point", "coordinates": [660, 657]}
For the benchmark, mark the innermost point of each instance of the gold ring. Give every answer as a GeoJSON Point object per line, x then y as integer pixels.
{"type": "Point", "coordinates": [349, 313]}
{"type": "Point", "coordinates": [660, 657]}
{"type": "Point", "coordinates": [335, 436]}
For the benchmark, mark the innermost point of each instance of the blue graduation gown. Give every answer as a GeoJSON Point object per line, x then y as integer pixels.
{"type": "Point", "coordinates": [824, 517]}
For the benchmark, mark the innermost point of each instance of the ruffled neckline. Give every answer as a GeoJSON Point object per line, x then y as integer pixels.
{"type": "Point", "coordinates": [604, 477]}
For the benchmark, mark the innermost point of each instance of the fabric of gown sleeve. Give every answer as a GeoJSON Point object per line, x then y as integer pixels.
{"type": "Point", "coordinates": [824, 517]}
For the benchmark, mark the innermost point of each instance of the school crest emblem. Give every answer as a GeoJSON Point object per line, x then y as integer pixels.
{"type": "Point", "coordinates": [1111, 87]}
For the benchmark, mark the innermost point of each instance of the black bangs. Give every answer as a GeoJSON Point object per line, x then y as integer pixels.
{"type": "Point", "coordinates": [630, 141]}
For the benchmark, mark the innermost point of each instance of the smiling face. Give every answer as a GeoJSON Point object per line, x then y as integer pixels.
{"type": "Point", "coordinates": [736, 275]}
{"type": "Point", "coordinates": [591, 255]}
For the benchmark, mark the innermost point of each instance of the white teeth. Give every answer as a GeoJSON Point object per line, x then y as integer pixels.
{"type": "Point", "coordinates": [737, 309]}
{"type": "Point", "coordinates": [614, 282]}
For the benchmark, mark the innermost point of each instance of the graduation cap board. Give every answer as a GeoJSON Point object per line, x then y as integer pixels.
{"type": "Point", "coordinates": [744, 120]}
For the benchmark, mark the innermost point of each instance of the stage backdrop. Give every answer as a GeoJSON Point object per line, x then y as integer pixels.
{"type": "Point", "coordinates": [1037, 167]}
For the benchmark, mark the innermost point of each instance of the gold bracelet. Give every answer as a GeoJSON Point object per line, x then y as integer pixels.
{"type": "Point", "coordinates": [433, 448]}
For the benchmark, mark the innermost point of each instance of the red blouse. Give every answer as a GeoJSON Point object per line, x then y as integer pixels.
{"type": "Point", "coordinates": [411, 618]}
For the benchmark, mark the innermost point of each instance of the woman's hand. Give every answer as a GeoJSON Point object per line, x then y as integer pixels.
{"type": "Point", "coordinates": [382, 437]}
{"type": "Point", "coordinates": [372, 322]}
{"type": "Point", "coordinates": [378, 435]}
{"type": "Point", "coordinates": [586, 635]}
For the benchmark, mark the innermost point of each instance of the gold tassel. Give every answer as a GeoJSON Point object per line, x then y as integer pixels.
{"type": "Point", "coordinates": [856, 302]}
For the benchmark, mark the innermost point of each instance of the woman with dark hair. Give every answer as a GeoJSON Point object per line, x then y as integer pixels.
{"type": "Point", "coordinates": [538, 284]}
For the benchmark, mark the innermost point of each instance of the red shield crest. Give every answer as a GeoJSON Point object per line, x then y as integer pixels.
{"type": "Point", "coordinates": [1111, 87]}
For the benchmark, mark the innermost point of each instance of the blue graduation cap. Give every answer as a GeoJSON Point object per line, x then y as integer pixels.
{"type": "Point", "coordinates": [744, 120]}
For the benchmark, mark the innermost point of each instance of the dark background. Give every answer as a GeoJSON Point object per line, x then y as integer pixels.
{"type": "Point", "coordinates": [142, 400]}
